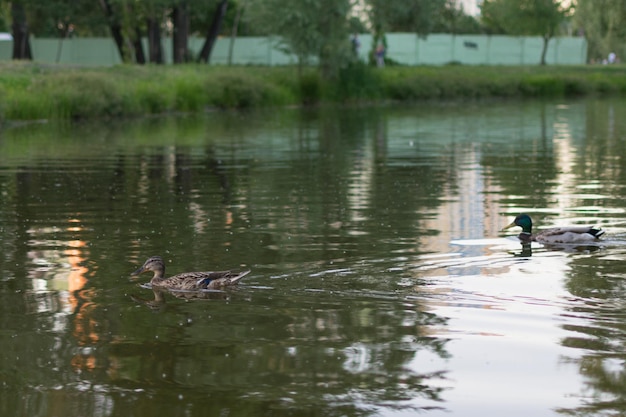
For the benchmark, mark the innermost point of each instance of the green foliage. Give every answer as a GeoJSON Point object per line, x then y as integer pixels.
{"type": "Point", "coordinates": [454, 20]}
{"type": "Point", "coordinates": [525, 18]}
{"type": "Point", "coordinates": [357, 81]}
{"type": "Point", "coordinates": [80, 95]}
{"type": "Point", "coordinates": [461, 82]}
{"type": "Point", "coordinates": [418, 16]}
{"type": "Point", "coordinates": [603, 23]}
{"type": "Point", "coordinates": [244, 91]}
{"type": "Point", "coordinates": [308, 28]}
{"type": "Point", "coordinates": [5, 17]}
{"type": "Point", "coordinates": [310, 87]}
{"type": "Point", "coordinates": [541, 85]}
{"type": "Point", "coordinates": [2, 103]}
{"type": "Point", "coordinates": [29, 91]}
{"type": "Point", "coordinates": [54, 18]}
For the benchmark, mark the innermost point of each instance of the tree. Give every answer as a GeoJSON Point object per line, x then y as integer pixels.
{"type": "Point", "coordinates": [54, 18]}
{"type": "Point", "coordinates": [454, 20]}
{"type": "Point", "coordinates": [603, 23]}
{"type": "Point", "coordinates": [308, 28]}
{"type": "Point", "coordinates": [19, 28]}
{"type": "Point", "coordinates": [214, 30]}
{"type": "Point", "coordinates": [525, 18]}
{"type": "Point", "coordinates": [115, 25]}
{"type": "Point", "coordinates": [5, 17]}
{"type": "Point", "coordinates": [154, 13]}
{"type": "Point", "coordinates": [417, 16]}
{"type": "Point", "coordinates": [234, 31]}
{"type": "Point", "coordinates": [128, 22]}
{"type": "Point", "coordinates": [180, 35]}
{"type": "Point", "coordinates": [62, 18]}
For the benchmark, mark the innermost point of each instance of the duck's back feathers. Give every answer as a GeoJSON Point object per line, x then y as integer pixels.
{"type": "Point", "coordinates": [570, 234]}
{"type": "Point", "coordinates": [221, 279]}
{"type": "Point", "coordinates": [193, 281]}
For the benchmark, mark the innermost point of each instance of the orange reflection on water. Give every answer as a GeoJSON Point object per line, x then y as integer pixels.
{"type": "Point", "coordinates": [85, 325]}
{"type": "Point", "coordinates": [64, 272]}
{"type": "Point", "coordinates": [76, 277]}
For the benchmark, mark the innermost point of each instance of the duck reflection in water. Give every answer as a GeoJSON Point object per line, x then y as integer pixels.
{"type": "Point", "coordinates": [526, 252]}
{"type": "Point", "coordinates": [158, 303]}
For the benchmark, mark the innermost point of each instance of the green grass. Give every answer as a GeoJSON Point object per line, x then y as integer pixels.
{"type": "Point", "coordinates": [31, 91]}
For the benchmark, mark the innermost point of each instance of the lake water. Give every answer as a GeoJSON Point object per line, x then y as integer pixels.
{"type": "Point", "coordinates": [381, 283]}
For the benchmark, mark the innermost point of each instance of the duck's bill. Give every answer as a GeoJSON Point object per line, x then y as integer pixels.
{"type": "Point", "coordinates": [509, 226]}
{"type": "Point", "coordinates": [137, 272]}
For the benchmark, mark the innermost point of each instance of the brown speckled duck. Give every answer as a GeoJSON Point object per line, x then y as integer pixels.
{"type": "Point", "coordinates": [188, 281]}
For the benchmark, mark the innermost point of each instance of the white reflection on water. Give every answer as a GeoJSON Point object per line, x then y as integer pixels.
{"type": "Point", "coordinates": [505, 322]}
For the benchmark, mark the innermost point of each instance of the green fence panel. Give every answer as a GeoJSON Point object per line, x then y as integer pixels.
{"type": "Point", "coordinates": [567, 51]}
{"type": "Point", "coordinates": [503, 50]}
{"type": "Point", "coordinates": [434, 50]}
{"type": "Point", "coordinates": [404, 48]}
{"type": "Point", "coordinates": [79, 51]}
{"type": "Point", "coordinates": [401, 48]}
{"type": "Point", "coordinates": [531, 51]}
{"type": "Point", "coordinates": [470, 49]}
{"type": "Point", "coordinates": [6, 50]}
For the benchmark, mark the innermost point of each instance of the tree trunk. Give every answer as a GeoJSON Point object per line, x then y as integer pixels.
{"type": "Point", "coordinates": [180, 18]}
{"type": "Point", "coordinates": [140, 57]}
{"type": "Point", "coordinates": [233, 35]}
{"type": "Point", "coordinates": [154, 41]}
{"type": "Point", "coordinates": [116, 28]}
{"type": "Point", "coordinates": [21, 43]}
{"type": "Point", "coordinates": [544, 51]}
{"type": "Point", "coordinates": [214, 31]}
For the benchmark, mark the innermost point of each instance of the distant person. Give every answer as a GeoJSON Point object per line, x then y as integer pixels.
{"type": "Point", "coordinates": [612, 58]}
{"type": "Point", "coordinates": [380, 55]}
{"type": "Point", "coordinates": [356, 45]}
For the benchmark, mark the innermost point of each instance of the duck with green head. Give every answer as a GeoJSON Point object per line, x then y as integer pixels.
{"type": "Point", "coordinates": [188, 281]}
{"type": "Point", "coordinates": [555, 235]}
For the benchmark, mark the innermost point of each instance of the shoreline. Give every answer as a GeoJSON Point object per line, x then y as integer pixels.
{"type": "Point", "coordinates": [34, 92]}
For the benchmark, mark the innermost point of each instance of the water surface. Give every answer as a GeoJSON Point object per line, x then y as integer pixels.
{"type": "Point", "coordinates": [381, 283]}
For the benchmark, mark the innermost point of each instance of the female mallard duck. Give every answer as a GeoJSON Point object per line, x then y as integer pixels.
{"type": "Point", "coordinates": [190, 281]}
{"type": "Point", "coordinates": [562, 235]}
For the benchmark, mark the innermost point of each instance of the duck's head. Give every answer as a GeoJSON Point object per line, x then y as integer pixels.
{"type": "Point", "coordinates": [154, 264]}
{"type": "Point", "coordinates": [523, 221]}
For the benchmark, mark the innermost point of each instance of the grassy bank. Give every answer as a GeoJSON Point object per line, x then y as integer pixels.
{"type": "Point", "coordinates": [30, 91]}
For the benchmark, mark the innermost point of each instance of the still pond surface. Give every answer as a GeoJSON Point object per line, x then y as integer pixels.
{"type": "Point", "coordinates": [381, 283]}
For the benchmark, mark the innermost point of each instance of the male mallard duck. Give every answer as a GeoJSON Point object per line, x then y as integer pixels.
{"type": "Point", "coordinates": [190, 281]}
{"type": "Point", "coordinates": [567, 234]}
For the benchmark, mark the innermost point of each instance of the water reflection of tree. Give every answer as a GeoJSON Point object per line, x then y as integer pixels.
{"type": "Point", "coordinates": [291, 353]}
{"type": "Point", "coordinates": [522, 161]}
{"type": "Point", "coordinates": [598, 331]}
{"type": "Point", "coordinates": [598, 324]}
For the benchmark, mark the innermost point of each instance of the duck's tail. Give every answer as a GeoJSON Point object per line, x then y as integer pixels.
{"type": "Point", "coordinates": [234, 280]}
{"type": "Point", "coordinates": [596, 232]}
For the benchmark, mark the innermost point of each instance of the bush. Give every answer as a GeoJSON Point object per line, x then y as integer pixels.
{"type": "Point", "coordinates": [357, 81]}
{"type": "Point", "coordinates": [79, 95]}
{"type": "Point", "coordinates": [310, 87]}
{"type": "Point", "coordinates": [243, 91]}
{"type": "Point", "coordinates": [32, 91]}
{"type": "Point", "coordinates": [190, 94]}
